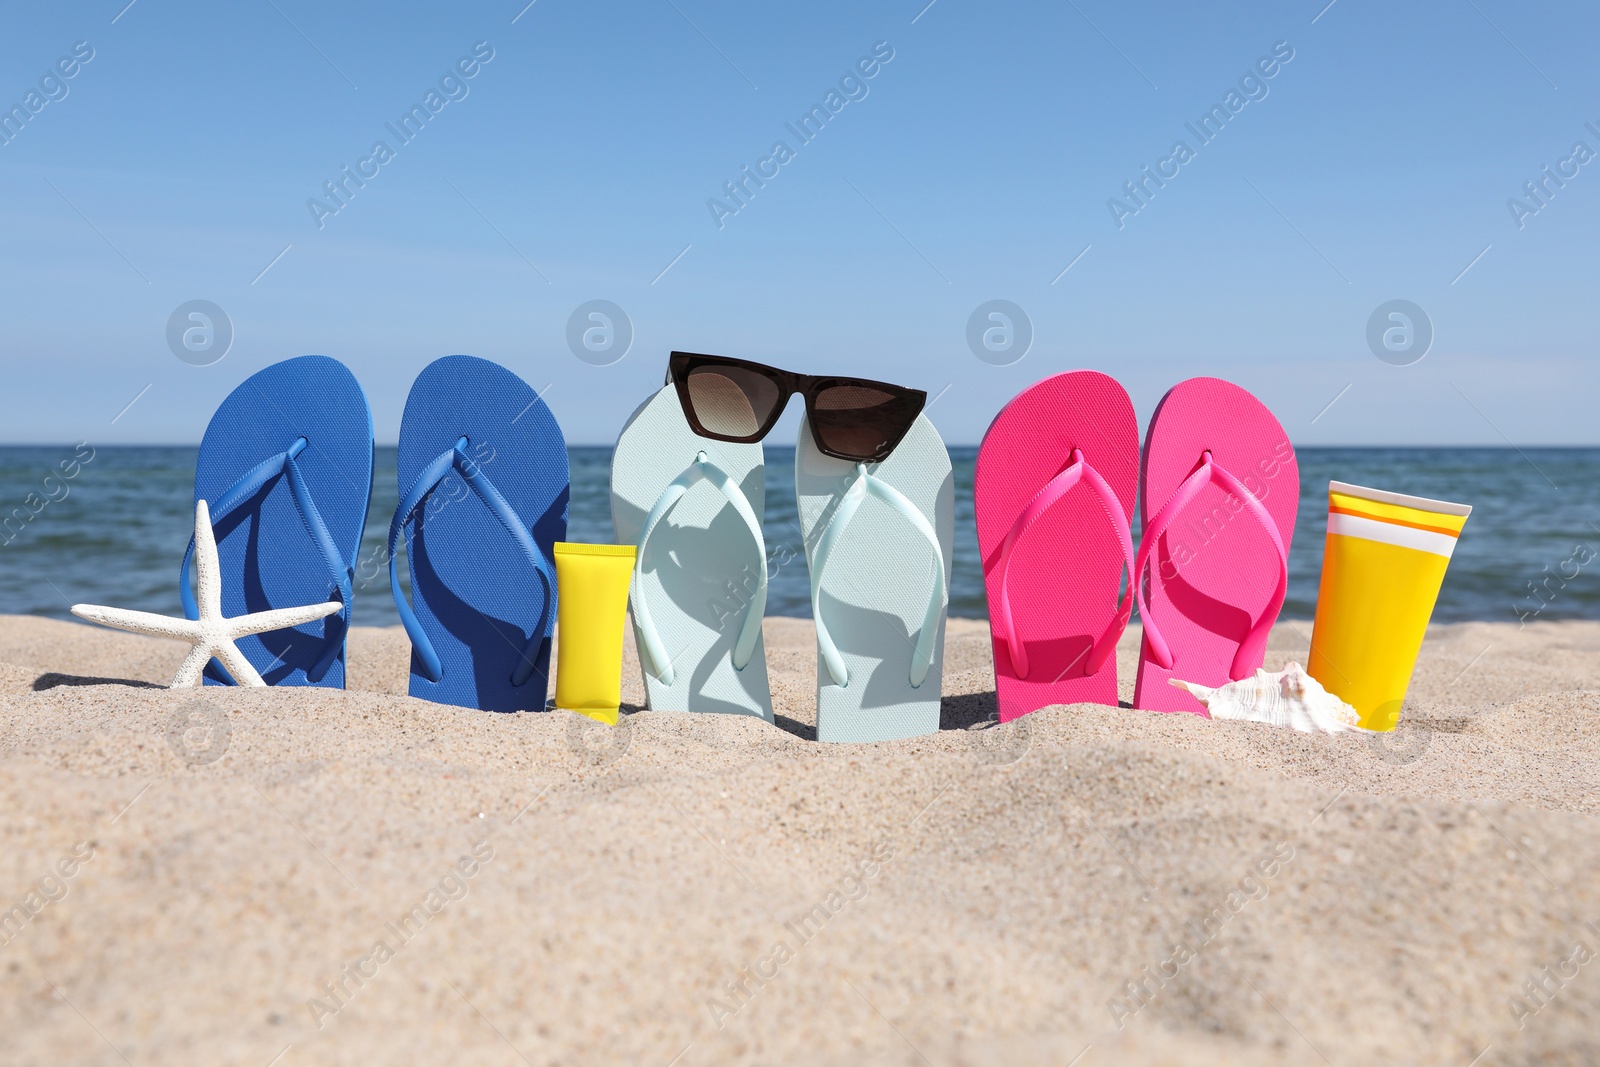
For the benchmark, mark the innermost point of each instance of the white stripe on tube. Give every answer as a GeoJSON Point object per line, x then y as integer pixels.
{"type": "Point", "coordinates": [1391, 534]}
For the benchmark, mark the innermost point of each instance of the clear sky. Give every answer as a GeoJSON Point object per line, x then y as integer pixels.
{"type": "Point", "coordinates": [979, 160]}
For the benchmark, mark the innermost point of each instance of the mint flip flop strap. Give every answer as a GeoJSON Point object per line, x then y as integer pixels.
{"type": "Point", "coordinates": [657, 660]}
{"type": "Point", "coordinates": [425, 482]}
{"type": "Point", "coordinates": [867, 483]}
{"type": "Point", "coordinates": [1079, 471]}
{"type": "Point", "coordinates": [1255, 642]}
{"type": "Point", "coordinates": [339, 571]}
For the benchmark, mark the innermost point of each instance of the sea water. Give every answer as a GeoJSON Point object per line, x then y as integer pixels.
{"type": "Point", "coordinates": [108, 525]}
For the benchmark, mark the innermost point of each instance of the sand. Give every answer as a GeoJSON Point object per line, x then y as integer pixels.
{"type": "Point", "coordinates": [701, 889]}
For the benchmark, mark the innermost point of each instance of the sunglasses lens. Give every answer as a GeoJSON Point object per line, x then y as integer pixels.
{"type": "Point", "coordinates": [732, 401]}
{"type": "Point", "coordinates": [858, 420]}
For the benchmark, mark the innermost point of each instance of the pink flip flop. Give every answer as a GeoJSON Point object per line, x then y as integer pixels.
{"type": "Point", "coordinates": [1220, 492]}
{"type": "Point", "coordinates": [1054, 491]}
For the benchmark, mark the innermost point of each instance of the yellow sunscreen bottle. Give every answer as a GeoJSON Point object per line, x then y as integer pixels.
{"type": "Point", "coordinates": [1382, 566]}
{"type": "Point", "coordinates": [592, 608]}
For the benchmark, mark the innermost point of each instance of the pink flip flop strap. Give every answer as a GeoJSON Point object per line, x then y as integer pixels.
{"type": "Point", "coordinates": [1078, 471]}
{"type": "Point", "coordinates": [1254, 645]}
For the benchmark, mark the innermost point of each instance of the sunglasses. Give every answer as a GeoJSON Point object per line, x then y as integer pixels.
{"type": "Point", "coordinates": [736, 400]}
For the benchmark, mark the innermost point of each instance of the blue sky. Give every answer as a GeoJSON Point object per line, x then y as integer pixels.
{"type": "Point", "coordinates": [976, 164]}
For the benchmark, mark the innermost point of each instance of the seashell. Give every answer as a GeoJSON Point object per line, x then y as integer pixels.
{"type": "Point", "coordinates": [1291, 697]}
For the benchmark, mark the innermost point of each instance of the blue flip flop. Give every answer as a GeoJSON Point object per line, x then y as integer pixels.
{"type": "Point", "coordinates": [483, 500]}
{"type": "Point", "coordinates": [286, 470]}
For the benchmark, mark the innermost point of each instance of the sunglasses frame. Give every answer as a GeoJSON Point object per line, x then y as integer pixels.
{"type": "Point", "coordinates": [681, 364]}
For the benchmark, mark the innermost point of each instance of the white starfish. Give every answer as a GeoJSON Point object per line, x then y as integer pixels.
{"type": "Point", "coordinates": [211, 634]}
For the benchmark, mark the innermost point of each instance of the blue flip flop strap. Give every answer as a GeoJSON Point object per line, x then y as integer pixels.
{"type": "Point", "coordinates": [247, 486]}
{"type": "Point", "coordinates": [865, 483]}
{"type": "Point", "coordinates": [653, 651]}
{"type": "Point", "coordinates": [427, 479]}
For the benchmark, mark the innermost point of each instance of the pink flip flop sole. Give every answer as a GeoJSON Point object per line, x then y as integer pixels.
{"type": "Point", "coordinates": [1216, 568]}
{"type": "Point", "coordinates": [1057, 472]}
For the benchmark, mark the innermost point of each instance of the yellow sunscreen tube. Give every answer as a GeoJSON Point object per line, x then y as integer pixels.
{"type": "Point", "coordinates": [1382, 566]}
{"type": "Point", "coordinates": [592, 608]}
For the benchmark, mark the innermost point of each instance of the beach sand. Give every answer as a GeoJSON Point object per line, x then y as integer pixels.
{"type": "Point", "coordinates": [551, 891]}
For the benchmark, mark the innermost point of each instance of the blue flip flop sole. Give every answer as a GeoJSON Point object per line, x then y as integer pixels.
{"type": "Point", "coordinates": [268, 556]}
{"type": "Point", "coordinates": [476, 597]}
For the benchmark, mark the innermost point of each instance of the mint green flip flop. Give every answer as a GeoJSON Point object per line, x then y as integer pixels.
{"type": "Point", "coordinates": [693, 507]}
{"type": "Point", "coordinates": [879, 539]}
